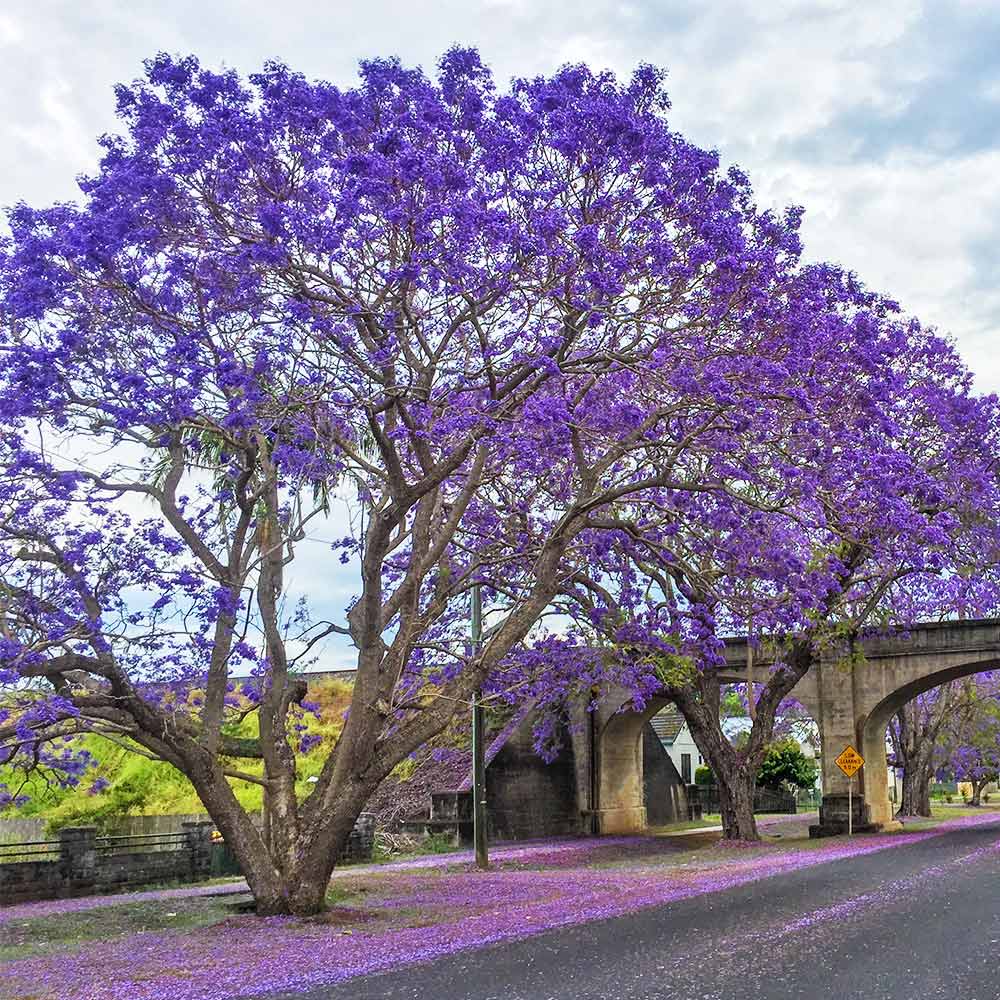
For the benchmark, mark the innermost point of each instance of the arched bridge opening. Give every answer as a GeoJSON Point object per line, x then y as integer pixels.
{"type": "Point", "coordinates": [873, 726]}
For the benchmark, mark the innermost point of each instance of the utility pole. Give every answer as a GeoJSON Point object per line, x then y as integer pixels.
{"type": "Point", "coordinates": [478, 742]}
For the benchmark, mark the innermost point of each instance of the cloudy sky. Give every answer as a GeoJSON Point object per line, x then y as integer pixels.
{"type": "Point", "coordinates": [881, 118]}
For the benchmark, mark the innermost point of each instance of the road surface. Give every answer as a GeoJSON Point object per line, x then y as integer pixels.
{"type": "Point", "coordinates": [909, 923]}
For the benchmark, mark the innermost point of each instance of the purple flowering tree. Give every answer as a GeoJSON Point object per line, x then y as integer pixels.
{"type": "Point", "coordinates": [915, 732]}
{"type": "Point", "coordinates": [498, 321]}
{"type": "Point", "coordinates": [969, 743]}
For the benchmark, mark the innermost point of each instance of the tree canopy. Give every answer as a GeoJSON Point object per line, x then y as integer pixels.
{"type": "Point", "coordinates": [541, 342]}
{"type": "Point", "coordinates": [786, 766]}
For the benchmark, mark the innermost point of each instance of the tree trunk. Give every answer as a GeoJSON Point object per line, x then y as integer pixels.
{"type": "Point", "coordinates": [300, 889]}
{"type": "Point", "coordinates": [289, 875]}
{"type": "Point", "coordinates": [914, 733]}
{"type": "Point", "coordinates": [736, 801]}
{"type": "Point", "coordinates": [925, 793]}
{"type": "Point", "coordinates": [735, 771]}
{"type": "Point", "coordinates": [915, 798]}
{"type": "Point", "coordinates": [977, 791]}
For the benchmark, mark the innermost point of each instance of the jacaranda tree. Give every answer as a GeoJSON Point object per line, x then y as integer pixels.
{"type": "Point", "coordinates": [494, 320]}
{"type": "Point", "coordinates": [968, 746]}
{"type": "Point", "coordinates": [914, 733]}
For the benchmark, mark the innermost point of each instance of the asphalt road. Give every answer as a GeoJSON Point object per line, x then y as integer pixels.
{"type": "Point", "coordinates": [909, 923]}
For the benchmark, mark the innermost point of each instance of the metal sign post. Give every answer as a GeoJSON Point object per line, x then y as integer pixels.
{"type": "Point", "coordinates": [850, 762]}
{"type": "Point", "coordinates": [478, 744]}
{"type": "Point", "coordinates": [850, 808]}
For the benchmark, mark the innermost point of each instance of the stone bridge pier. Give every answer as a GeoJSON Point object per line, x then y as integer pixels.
{"type": "Point", "coordinates": [619, 804]}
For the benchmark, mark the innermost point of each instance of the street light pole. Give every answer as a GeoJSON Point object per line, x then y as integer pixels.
{"type": "Point", "coordinates": [478, 742]}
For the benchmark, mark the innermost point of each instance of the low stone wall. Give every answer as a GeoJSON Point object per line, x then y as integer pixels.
{"type": "Point", "coordinates": [80, 863]}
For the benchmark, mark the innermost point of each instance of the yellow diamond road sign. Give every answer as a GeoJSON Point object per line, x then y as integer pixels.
{"type": "Point", "coordinates": [850, 761]}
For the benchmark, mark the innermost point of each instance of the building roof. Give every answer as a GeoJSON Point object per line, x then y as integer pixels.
{"type": "Point", "coordinates": [667, 724]}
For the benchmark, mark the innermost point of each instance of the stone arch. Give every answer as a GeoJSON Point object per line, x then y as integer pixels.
{"type": "Point", "coordinates": [620, 805]}
{"type": "Point", "coordinates": [871, 731]}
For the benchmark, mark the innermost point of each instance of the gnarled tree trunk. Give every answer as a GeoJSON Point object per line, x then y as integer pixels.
{"type": "Point", "coordinates": [978, 784]}
{"type": "Point", "coordinates": [736, 769]}
{"type": "Point", "coordinates": [915, 794]}
{"type": "Point", "coordinates": [914, 733]}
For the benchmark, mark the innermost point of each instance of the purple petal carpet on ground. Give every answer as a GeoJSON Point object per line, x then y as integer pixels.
{"type": "Point", "coordinates": [241, 956]}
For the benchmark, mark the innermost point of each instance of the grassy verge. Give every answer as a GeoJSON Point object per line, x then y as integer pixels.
{"type": "Point", "coordinates": [67, 932]}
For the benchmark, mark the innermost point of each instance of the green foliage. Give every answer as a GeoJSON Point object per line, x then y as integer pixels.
{"type": "Point", "coordinates": [703, 775]}
{"type": "Point", "coordinates": [731, 705]}
{"type": "Point", "coordinates": [140, 786]}
{"type": "Point", "coordinates": [786, 766]}
{"type": "Point", "coordinates": [405, 769]}
{"type": "Point", "coordinates": [387, 847]}
{"type": "Point", "coordinates": [674, 670]}
{"type": "Point", "coordinates": [127, 796]}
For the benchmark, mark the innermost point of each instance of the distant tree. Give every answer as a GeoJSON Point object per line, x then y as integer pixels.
{"type": "Point", "coordinates": [914, 732]}
{"type": "Point", "coordinates": [969, 747]}
{"type": "Point", "coordinates": [786, 766]}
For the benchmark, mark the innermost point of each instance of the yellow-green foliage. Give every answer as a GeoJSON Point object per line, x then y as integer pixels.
{"type": "Point", "coordinates": [139, 786]}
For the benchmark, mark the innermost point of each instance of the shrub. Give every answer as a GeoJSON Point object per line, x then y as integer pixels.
{"type": "Point", "coordinates": [786, 766]}
{"type": "Point", "coordinates": [703, 775]}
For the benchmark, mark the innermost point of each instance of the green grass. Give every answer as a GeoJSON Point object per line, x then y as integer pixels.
{"type": "Point", "coordinates": [337, 895]}
{"type": "Point", "coordinates": [939, 813]}
{"type": "Point", "coordinates": [687, 824]}
{"type": "Point", "coordinates": [67, 932]}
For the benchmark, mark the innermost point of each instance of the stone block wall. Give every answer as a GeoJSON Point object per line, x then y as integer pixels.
{"type": "Point", "coordinates": [362, 840]}
{"type": "Point", "coordinates": [89, 864]}
{"type": "Point", "coordinates": [527, 797]}
{"type": "Point", "coordinates": [663, 789]}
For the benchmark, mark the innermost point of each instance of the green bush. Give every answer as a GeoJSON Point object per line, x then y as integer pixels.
{"type": "Point", "coordinates": [786, 766]}
{"type": "Point", "coordinates": [703, 775]}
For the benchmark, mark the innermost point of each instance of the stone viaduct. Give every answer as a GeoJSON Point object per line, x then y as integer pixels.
{"type": "Point", "coordinates": [850, 704]}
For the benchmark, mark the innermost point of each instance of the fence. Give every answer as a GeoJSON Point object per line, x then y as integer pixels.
{"type": "Point", "coordinates": [79, 862]}
{"type": "Point", "coordinates": [23, 829]}
{"type": "Point", "coordinates": [765, 800]}
{"type": "Point", "coordinates": [808, 799]}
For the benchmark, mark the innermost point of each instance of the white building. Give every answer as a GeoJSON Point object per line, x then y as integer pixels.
{"type": "Point", "coordinates": [673, 733]}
